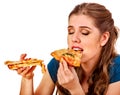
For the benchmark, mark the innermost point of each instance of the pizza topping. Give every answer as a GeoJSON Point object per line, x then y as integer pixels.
{"type": "Point", "coordinates": [24, 63]}
{"type": "Point", "coordinates": [72, 57]}
{"type": "Point", "coordinates": [68, 54]}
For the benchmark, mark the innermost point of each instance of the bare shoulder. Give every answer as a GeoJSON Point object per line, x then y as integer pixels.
{"type": "Point", "coordinates": [114, 88]}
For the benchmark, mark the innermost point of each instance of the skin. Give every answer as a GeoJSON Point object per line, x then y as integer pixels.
{"type": "Point", "coordinates": [83, 35]}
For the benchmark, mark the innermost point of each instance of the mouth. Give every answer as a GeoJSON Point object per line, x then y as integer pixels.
{"type": "Point", "coordinates": [77, 48]}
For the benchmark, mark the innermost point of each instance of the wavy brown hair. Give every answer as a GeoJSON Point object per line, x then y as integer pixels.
{"type": "Point", "coordinates": [102, 17]}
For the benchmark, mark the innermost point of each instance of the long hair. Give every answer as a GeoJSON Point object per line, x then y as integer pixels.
{"type": "Point", "coordinates": [102, 17]}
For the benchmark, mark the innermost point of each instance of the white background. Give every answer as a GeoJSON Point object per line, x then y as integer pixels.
{"type": "Point", "coordinates": [36, 27]}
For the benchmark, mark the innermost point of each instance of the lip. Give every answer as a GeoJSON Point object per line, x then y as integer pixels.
{"type": "Point", "coordinates": [77, 48]}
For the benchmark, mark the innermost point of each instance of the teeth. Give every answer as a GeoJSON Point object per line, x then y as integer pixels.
{"type": "Point", "coordinates": [77, 49]}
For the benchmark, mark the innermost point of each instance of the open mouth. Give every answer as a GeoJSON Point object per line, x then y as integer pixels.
{"type": "Point", "coordinates": [77, 49]}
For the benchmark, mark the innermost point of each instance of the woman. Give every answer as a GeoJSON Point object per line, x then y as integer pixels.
{"type": "Point", "coordinates": [90, 29]}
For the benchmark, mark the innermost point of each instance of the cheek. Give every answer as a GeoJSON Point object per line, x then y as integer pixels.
{"type": "Point", "coordinates": [91, 50]}
{"type": "Point", "coordinates": [91, 44]}
{"type": "Point", "coordinates": [69, 42]}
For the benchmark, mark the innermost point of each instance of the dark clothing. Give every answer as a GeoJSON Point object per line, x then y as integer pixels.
{"type": "Point", "coordinates": [114, 69]}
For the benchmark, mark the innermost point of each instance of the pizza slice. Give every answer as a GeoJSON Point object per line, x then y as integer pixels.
{"type": "Point", "coordinates": [24, 63]}
{"type": "Point", "coordinates": [72, 57]}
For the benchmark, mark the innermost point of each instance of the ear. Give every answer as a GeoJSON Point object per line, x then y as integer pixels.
{"type": "Point", "coordinates": [104, 38]}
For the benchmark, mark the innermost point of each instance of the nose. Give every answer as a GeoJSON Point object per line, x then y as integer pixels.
{"type": "Point", "coordinates": [76, 37]}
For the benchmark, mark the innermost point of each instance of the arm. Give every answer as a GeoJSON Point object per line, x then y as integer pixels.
{"type": "Point", "coordinates": [114, 89]}
{"type": "Point", "coordinates": [46, 86]}
{"type": "Point", "coordinates": [27, 78]}
{"type": "Point", "coordinates": [26, 87]}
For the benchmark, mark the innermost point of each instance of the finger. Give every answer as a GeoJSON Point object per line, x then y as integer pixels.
{"type": "Point", "coordinates": [32, 69]}
{"type": "Point", "coordinates": [29, 70]}
{"type": "Point", "coordinates": [62, 74]}
{"type": "Point", "coordinates": [20, 70]}
{"type": "Point", "coordinates": [23, 56]}
{"type": "Point", "coordinates": [73, 71]}
{"type": "Point", "coordinates": [30, 73]}
{"type": "Point", "coordinates": [25, 71]}
{"type": "Point", "coordinates": [65, 65]}
{"type": "Point", "coordinates": [61, 65]}
{"type": "Point", "coordinates": [59, 73]}
{"type": "Point", "coordinates": [59, 76]}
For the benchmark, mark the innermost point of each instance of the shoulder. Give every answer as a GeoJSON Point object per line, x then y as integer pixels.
{"type": "Point", "coordinates": [115, 63]}
{"type": "Point", "coordinates": [53, 63]}
{"type": "Point", "coordinates": [114, 70]}
{"type": "Point", "coordinates": [117, 59]}
{"type": "Point", "coordinates": [52, 69]}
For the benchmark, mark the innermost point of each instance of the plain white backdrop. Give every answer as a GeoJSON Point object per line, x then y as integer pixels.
{"type": "Point", "coordinates": [36, 27]}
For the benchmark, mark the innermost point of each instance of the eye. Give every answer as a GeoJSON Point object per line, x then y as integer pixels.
{"type": "Point", "coordinates": [70, 31]}
{"type": "Point", "coordinates": [85, 32]}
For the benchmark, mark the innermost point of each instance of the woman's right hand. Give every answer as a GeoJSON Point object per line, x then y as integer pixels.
{"type": "Point", "coordinates": [26, 72]}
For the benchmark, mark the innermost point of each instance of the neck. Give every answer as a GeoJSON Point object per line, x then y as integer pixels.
{"type": "Point", "coordinates": [89, 68]}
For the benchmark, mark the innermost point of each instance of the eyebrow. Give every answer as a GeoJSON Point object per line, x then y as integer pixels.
{"type": "Point", "coordinates": [70, 26]}
{"type": "Point", "coordinates": [80, 27]}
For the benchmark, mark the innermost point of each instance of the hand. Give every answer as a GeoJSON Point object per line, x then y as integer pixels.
{"type": "Point", "coordinates": [67, 76]}
{"type": "Point", "coordinates": [26, 72]}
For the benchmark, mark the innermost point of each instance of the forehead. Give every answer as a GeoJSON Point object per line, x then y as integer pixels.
{"type": "Point", "coordinates": [81, 20]}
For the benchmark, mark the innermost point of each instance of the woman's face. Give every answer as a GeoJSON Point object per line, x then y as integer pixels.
{"type": "Point", "coordinates": [84, 36]}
